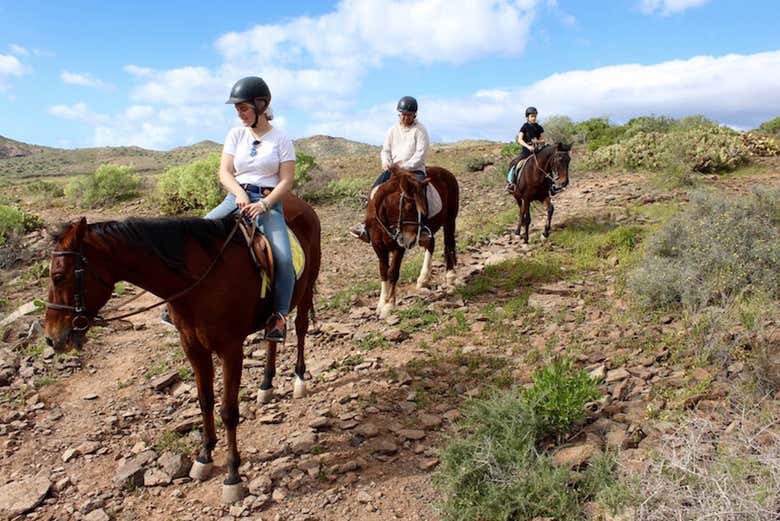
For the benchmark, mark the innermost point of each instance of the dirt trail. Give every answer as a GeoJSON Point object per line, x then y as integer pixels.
{"type": "Point", "coordinates": [362, 445]}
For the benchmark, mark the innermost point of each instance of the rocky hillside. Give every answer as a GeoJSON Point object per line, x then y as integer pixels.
{"type": "Point", "coordinates": [11, 148]}
{"type": "Point", "coordinates": [323, 147]}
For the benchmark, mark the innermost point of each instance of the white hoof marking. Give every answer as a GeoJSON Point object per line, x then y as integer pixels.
{"type": "Point", "coordinates": [200, 471]}
{"type": "Point", "coordinates": [265, 395]}
{"type": "Point", "coordinates": [233, 493]}
{"type": "Point", "coordinates": [299, 387]}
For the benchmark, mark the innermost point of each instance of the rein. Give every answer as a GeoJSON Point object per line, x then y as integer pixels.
{"type": "Point", "coordinates": [551, 177]}
{"type": "Point", "coordinates": [81, 320]}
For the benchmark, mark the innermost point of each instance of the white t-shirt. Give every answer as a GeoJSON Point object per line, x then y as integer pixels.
{"type": "Point", "coordinates": [262, 169]}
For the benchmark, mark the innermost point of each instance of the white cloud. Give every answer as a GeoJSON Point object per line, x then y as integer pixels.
{"type": "Point", "coordinates": [10, 66]}
{"type": "Point", "coordinates": [668, 7]}
{"type": "Point", "coordinates": [18, 49]}
{"type": "Point", "coordinates": [135, 70]}
{"type": "Point", "coordinates": [732, 89]}
{"type": "Point", "coordinates": [77, 112]}
{"type": "Point", "coordinates": [84, 80]}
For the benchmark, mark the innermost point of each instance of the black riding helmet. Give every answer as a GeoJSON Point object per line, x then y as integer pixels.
{"type": "Point", "coordinates": [407, 105]}
{"type": "Point", "coordinates": [249, 90]}
{"type": "Point", "coordinates": [530, 110]}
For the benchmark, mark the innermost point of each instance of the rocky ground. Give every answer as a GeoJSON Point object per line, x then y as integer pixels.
{"type": "Point", "coordinates": [109, 433]}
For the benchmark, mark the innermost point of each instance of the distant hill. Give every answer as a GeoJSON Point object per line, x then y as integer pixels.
{"type": "Point", "coordinates": [11, 148]}
{"type": "Point", "coordinates": [326, 147]}
{"type": "Point", "coordinates": [20, 160]}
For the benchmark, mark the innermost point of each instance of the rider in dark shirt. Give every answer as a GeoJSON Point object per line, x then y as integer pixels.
{"type": "Point", "coordinates": [531, 134]}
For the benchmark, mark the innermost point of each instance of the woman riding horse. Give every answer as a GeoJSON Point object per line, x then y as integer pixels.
{"type": "Point", "coordinates": [406, 146]}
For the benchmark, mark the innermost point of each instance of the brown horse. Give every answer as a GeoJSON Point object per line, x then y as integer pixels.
{"type": "Point", "coordinates": [548, 165]}
{"type": "Point", "coordinates": [221, 304]}
{"type": "Point", "coordinates": [393, 223]}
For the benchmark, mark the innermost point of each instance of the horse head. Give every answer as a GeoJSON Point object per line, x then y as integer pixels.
{"type": "Point", "coordinates": [412, 206]}
{"type": "Point", "coordinates": [559, 164]}
{"type": "Point", "coordinates": [77, 290]}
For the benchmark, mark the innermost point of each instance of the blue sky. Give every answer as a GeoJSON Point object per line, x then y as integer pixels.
{"type": "Point", "coordinates": [156, 74]}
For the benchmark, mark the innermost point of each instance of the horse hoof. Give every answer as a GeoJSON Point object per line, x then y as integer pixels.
{"type": "Point", "coordinates": [421, 283]}
{"type": "Point", "coordinates": [265, 395]}
{"type": "Point", "coordinates": [233, 493]}
{"type": "Point", "coordinates": [385, 311]}
{"type": "Point", "coordinates": [299, 388]}
{"type": "Point", "coordinates": [200, 471]}
{"type": "Point", "coordinates": [450, 278]}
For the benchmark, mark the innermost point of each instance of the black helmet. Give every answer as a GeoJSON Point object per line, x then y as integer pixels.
{"type": "Point", "coordinates": [530, 110]}
{"type": "Point", "coordinates": [407, 105]}
{"type": "Point", "coordinates": [249, 89]}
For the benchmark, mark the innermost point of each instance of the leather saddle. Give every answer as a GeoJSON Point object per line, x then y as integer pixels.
{"type": "Point", "coordinates": [259, 251]}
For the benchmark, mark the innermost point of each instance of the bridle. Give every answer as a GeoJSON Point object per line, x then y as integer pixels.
{"type": "Point", "coordinates": [81, 320]}
{"type": "Point", "coordinates": [394, 231]}
{"type": "Point", "coordinates": [553, 175]}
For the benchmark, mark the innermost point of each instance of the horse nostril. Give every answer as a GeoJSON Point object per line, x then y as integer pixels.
{"type": "Point", "coordinates": [49, 342]}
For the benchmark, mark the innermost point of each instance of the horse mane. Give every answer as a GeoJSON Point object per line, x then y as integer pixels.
{"type": "Point", "coordinates": [165, 237]}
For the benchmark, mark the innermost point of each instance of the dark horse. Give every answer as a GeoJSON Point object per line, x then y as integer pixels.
{"type": "Point", "coordinates": [393, 222]}
{"type": "Point", "coordinates": [547, 165]}
{"type": "Point", "coordinates": [166, 256]}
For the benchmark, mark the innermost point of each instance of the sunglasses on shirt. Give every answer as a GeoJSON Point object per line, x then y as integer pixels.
{"type": "Point", "coordinates": [253, 151]}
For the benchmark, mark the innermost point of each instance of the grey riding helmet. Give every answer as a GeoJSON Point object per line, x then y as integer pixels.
{"type": "Point", "coordinates": [407, 105]}
{"type": "Point", "coordinates": [530, 110]}
{"type": "Point", "coordinates": [249, 90]}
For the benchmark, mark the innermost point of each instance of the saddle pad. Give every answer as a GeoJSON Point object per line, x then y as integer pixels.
{"type": "Point", "coordinates": [432, 194]}
{"type": "Point", "coordinates": [298, 257]}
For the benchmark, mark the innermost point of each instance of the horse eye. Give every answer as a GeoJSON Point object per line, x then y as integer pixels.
{"type": "Point", "coordinates": [57, 278]}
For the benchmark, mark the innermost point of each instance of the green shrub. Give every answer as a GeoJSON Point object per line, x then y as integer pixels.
{"type": "Point", "coordinates": [559, 129]}
{"type": "Point", "coordinates": [511, 150]}
{"type": "Point", "coordinates": [771, 127]}
{"type": "Point", "coordinates": [703, 150]}
{"type": "Point", "coordinates": [193, 187]}
{"type": "Point", "coordinates": [647, 124]}
{"type": "Point", "coordinates": [558, 397]}
{"type": "Point", "coordinates": [45, 189]}
{"type": "Point", "coordinates": [303, 165]}
{"type": "Point", "coordinates": [109, 185]}
{"type": "Point", "coordinates": [14, 221]}
{"type": "Point", "coordinates": [477, 164]}
{"type": "Point", "coordinates": [337, 189]}
{"type": "Point", "coordinates": [494, 467]}
{"type": "Point", "coordinates": [716, 249]}
{"type": "Point", "coordinates": [597, 132]}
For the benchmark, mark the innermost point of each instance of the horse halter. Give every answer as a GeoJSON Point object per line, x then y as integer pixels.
{"type": "Point", "coordinates": [80, 321]}
{"type": "Point", "coordinates": [552, 164]}
{"type": "Point", "coordinates": [394, 232]}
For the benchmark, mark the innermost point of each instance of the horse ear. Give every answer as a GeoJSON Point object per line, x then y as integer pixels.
{"type": "Point", "coordinates": [81, 229]}
{"type": "Point", "coordinates": [563, 147]}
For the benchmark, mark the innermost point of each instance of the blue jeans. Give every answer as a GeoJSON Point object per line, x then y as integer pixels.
{"type": "Point", "coordinates": [272, 224]}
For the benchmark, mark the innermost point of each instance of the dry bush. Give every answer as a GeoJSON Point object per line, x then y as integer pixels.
{"type": "Point", "coordinates": [705, 472]}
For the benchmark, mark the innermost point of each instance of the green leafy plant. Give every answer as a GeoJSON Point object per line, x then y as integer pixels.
{"type": "Point", "coordinates": [193, 187]}
{"type": "Point", "coordinates": [108, 185]}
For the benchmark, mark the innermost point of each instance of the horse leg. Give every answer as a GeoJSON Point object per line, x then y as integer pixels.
{"type": "Point", "coordinates": [450, 257]}
{"type": "Point", "coordinates": [395, 272]}
{"type": "Point", "coordinates": [266, 392]}
{"type": "Point", "coordinates": [301, 328]}
{"type": "Point", "coordinates": [550, 209]}
{"type": "Point", "coordinates": [384, 261]}
{"type": "Point", "coordinates": [526, 221]}
{"type": "Point", "coordinates": [521, 204]}
{"type": "Point", "coordinates": [203, 367]}
{"type": "Point", "coordinates": [232, 362]}
{"type": "Point", "coordinates": [425, 272]}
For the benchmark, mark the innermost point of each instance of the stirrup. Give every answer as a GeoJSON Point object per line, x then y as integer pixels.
{"type": "Point", "coordinates": [361, 233]}
{"type": "Point", "coordinates": [273, 334]}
